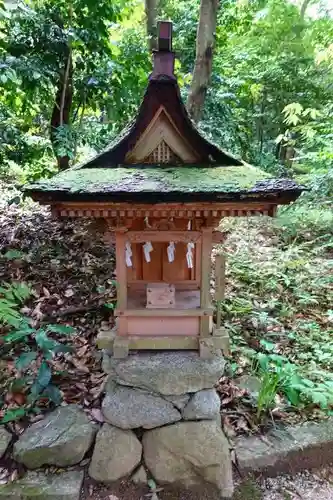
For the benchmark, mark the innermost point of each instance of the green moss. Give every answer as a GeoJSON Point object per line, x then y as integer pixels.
{"type": "Point", "coordinates": [154, 179]}
{"type": "Point", "coordinates": [248, 490]}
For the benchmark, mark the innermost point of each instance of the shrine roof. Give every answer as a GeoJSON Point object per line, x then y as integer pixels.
{"type": "Point", "coordinates": [175, 183]}
{"type": "Point", "coordinates": [162, 92]}
{"type": "Point", "coordinates": [162, 157]}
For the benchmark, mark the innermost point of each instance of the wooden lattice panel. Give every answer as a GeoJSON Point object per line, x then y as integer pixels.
{"type": "Point", "coordinates": [162, 154]}
{"type": "Point", "coordinates": [162, 143]}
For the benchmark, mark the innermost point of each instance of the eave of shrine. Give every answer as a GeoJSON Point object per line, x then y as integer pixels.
{"type": "Point", "coordinates": [176, 184]}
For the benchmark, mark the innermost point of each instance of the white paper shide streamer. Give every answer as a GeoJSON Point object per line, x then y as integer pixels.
{"type": "Point", "coordinates": [189, 255]}
{"type": "Point", "coordinates": [128, 254]}
{"type": "Point", "coordinates": [171, 251]}
{"type": "Point", "coordinates": [147, 248]}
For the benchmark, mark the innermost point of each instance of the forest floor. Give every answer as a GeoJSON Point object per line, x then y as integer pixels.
{"type": "Point", "coordinates": [278, 307]}
{"type": "Point", "coordinates": [315, 485]}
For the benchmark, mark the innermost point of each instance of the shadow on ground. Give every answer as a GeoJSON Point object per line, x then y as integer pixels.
{"type": "Point", "coordinates": [247, 490]}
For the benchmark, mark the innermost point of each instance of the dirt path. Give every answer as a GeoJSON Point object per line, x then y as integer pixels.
{"type": "Point", "coordinates": [306, 486]}
{"type": "Point", "coordinates": [316, 485]}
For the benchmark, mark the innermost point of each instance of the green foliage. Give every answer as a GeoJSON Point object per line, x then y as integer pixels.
{"type": "Point", "coordinates": [279, 375]}
{"type": "Point", "coordinates": [266, 59]}
{"type": "Point", "coordinates": [278, 310]}
{"type": "Point", "coordinates": [267, 393]}
{"type": "Point", "coordinates": [36, 349]}
{"type": "Point", "coordinates": [11, 296]}
{"type": "Point", "coordinates": [296, 224]}
{"type": "Point", "coordinates": [271, 84]}
{"type": "Point", "coordinates": [35, 41]}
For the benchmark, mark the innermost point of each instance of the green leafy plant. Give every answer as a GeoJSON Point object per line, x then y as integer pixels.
{"type": "Point", "coordinates": [267, 393]}
{"type": "Point", "coordinates": [37, 348]}
{"type": "Point", "coordinates": [278, 375]}
{"type": "Point", "coordinates": [32, 364]}
{"type": "Point", "coordinates": [14, 254]}
{"type": "Point", "coordinates": [12, 295]}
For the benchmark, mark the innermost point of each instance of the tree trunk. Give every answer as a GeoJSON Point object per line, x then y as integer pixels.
{"type": "Point", "coordinates": [151, 7]}
{"type": "Point", "coordinates": [62, 109]}
{"type": "Point", "coordinates": [204, 58]}
{"type": "Point", "coordinates": [304, 6]}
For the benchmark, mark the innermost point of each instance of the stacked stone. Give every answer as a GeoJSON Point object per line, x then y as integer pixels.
{"type": "Point", "coordinates": [169, 398]}
{"type": "Point", "coordinates": [161, 416]}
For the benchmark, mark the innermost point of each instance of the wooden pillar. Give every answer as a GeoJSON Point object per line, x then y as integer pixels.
{"type": "Point", "coordinates": [121, 271]}
{"type": "Point", "coordinates": [121, 345]}
{"type": "Point", "coordinates": [219, 332]}
{"type": "Point", "coordinates": [205, 302]}
{"type": "Point", "coordinates": [219, 284]}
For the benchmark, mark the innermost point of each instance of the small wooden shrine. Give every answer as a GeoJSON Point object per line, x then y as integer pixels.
{"type": "Point", "coordinates": [162, 190]}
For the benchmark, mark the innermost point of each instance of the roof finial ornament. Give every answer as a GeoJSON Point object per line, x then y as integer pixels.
{"type": "Point", "coordinates": [163, 57]}
{"type": "Point", "coordinates": [164, 36]}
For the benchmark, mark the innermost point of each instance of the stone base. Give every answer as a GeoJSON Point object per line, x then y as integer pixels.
{"type": "Point", "coordinates": [190, 453]}
{"type": "Point", "coordinates": [167, 373]}
{"type": "Point", "coordinates": [161, 417]}
{"type": "Point", "coordinates": [171, 394]}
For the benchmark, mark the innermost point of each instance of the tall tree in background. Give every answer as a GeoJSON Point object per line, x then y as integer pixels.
{"type": "Point", "coordinates": [59, 50]}
{"type": "Point", "coordinates": [151, 8]}
{"type": "Point", "coordinates": [268, 54]}
{"type": "Point", "coordinates": [204, 57]}
{"type": "Point", "coordinates": [305, 4]}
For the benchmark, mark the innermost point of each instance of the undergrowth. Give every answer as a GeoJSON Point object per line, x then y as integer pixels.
{"type": "Point", "coordinates": [279, 306]}
{"type": "Point", "coordinates": [32, 349]}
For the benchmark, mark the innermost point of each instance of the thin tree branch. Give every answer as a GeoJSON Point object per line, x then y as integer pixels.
{"type": "Point", "coordinates": [65, 85]}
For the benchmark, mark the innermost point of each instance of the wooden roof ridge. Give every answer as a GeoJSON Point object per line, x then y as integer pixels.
{"type": "Point", "coordinates": [162, 92]}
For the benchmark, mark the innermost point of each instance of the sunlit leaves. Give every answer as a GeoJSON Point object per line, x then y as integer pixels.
{"type": "Point", "coordinates": [292, 113]}
{"type": "Point", "coordinates": [33, 49]}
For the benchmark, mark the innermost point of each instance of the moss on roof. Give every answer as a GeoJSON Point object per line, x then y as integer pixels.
{"type": "Point", "coordinates": [158, 184]}
{"type": "Point", "coordinates": [153, 179]}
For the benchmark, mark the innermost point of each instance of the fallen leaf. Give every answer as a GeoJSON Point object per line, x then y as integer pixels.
{"type": "Point", "coordinates": [36, 418]}
{"type": "Point", "coordinates": [97, 391]}
{"type": "Point", "coordinates": [3, 474]}
{"type": "Point", "coordinates": [233, 456]}
{"type": "Point", "coordinates": [14, 475]}
{"type": "Point", "coordinates": [79, 365]}
{"type": "Point", "coordinates": [82, 351]}
{"type": "Point", "coordinates": [37, 313]}
{"type": "Point", "coordinates": [85, 462]}
{"type": "Point", "coordinates": [229, 428]}
{"type": "Point", "coordinates": [242, 425]}
{"type": "Point", "coordinates": [19, 398]}
{"type": "Point", "coordinates": [97, 415]}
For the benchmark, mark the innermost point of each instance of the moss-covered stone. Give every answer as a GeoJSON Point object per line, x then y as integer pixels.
{"type": "Point", "coordinates": [37, 486]}
{"type": "Point", "coordinates": [62, 438]}
{"type": "Point", "coordinates": [286, 450]}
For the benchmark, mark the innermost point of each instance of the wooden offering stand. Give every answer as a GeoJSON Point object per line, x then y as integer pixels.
{"type": "Point", "coordinates": [161, 189]}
